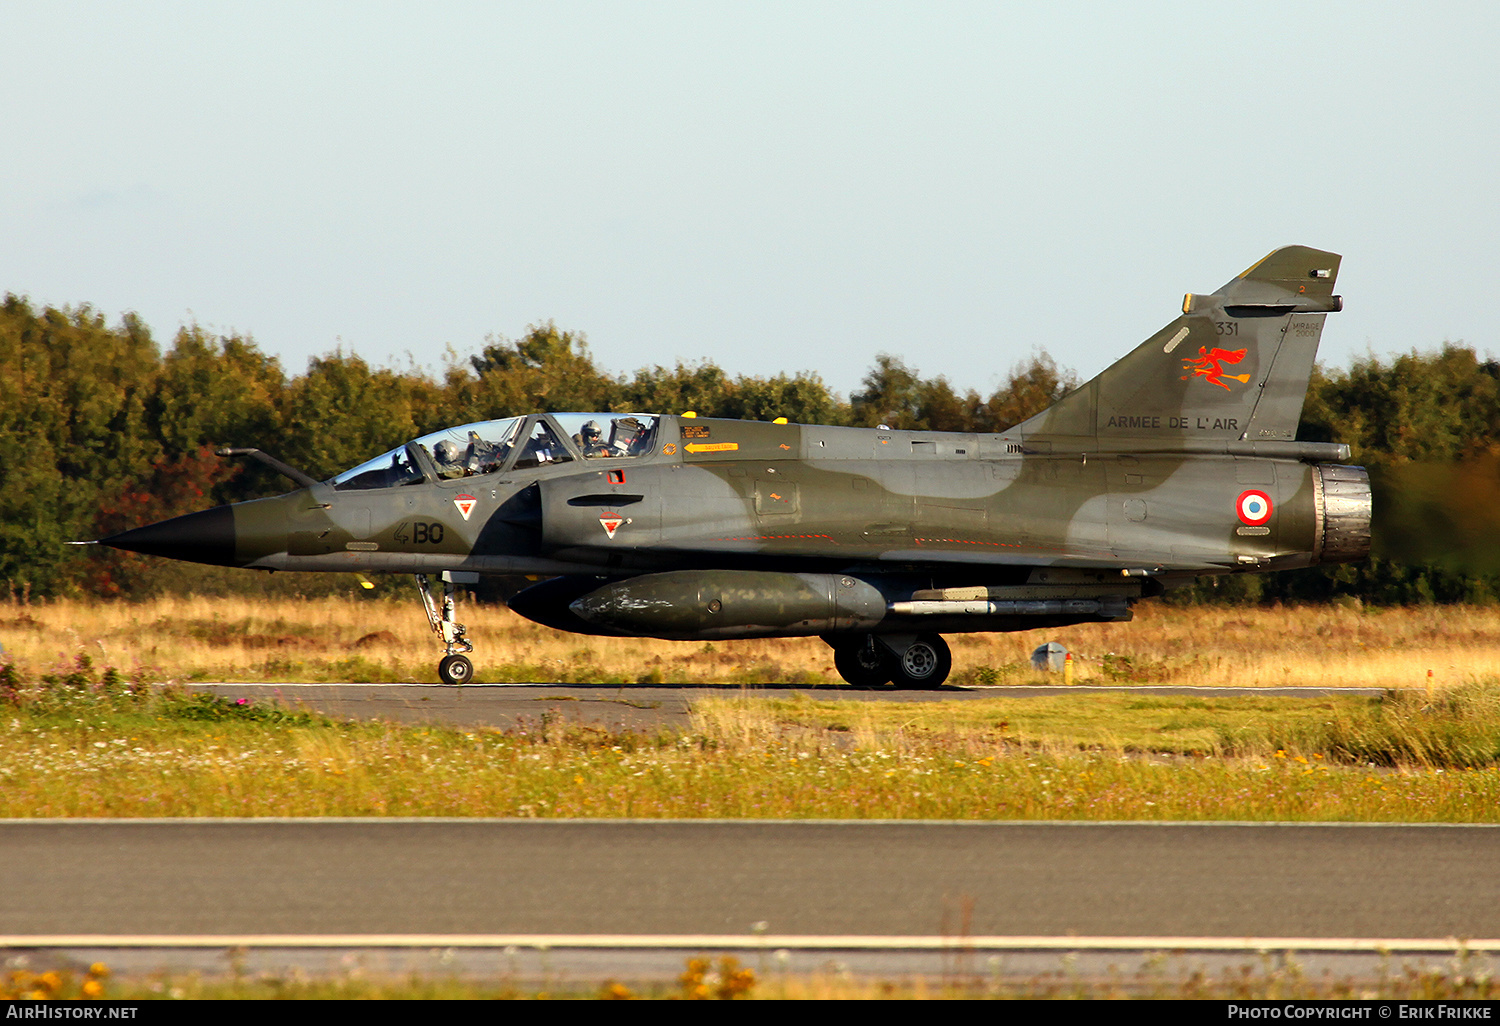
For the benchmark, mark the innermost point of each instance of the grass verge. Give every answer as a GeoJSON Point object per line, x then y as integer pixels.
{"type": "Point", "coordinates": [91, 749]}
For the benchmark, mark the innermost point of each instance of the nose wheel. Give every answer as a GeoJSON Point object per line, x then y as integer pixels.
{"type": "Point", "coordinates": [455, 667]}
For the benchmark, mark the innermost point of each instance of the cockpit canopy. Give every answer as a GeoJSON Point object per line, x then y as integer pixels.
{"type": "Point", "coordinates": [516, 443]}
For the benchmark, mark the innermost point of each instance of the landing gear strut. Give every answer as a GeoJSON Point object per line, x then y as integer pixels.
{"type": "Point", "coordinates": [455, 667]}
{"type": "Point", "coordinates": [913, 661]}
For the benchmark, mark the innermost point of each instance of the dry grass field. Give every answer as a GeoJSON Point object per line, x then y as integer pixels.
{"type": "Point", "coordinates": [1266, 976]}
{"type": "Point", "coordinates": [369, 639]}
{"type": "Point", "coordinates": [79, 740]}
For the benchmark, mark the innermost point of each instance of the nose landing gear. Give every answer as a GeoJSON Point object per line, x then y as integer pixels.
{"type": "Point", "coordinates": [455, 667]}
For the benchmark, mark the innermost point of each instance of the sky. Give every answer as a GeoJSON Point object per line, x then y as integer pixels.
{"type": "Point", "coordinates": [772, 187]}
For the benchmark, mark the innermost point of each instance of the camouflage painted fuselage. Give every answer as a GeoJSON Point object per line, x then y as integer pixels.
{"type": "Point", "coordinates": [916, 513]}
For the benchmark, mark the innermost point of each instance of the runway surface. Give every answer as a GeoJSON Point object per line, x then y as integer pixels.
{"type": "Point", "coordinates": [859, 878]}
{"type": "Point", "coordinates": [634, 707]}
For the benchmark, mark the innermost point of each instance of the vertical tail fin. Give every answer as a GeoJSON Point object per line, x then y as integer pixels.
{"type": "Point", "coordinates": [1234, 366]}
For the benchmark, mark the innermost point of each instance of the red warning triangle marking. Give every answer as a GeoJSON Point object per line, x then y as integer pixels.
{"type": "Point", "coordinates": [610, 522]}
{"type": "Point", "coordinates": [465, 504]}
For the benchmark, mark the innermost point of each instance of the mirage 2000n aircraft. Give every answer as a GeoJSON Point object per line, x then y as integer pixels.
{"type": "Point", "coordinates": [1177, 461]}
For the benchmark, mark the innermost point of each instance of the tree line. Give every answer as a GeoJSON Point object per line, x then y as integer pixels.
{"type": "Point", "coordinates": [101, 428]}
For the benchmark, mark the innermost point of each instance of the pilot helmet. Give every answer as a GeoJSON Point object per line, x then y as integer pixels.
{"type": "Point", "coordinates": [447, 451]}
{"type": "Point", "coordinates": [592, 430]}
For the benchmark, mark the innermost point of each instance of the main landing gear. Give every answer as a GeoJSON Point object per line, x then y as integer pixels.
{"type": "Point", "coordinates": [455, 667]}
{"type": "Point", "coordinates": [906, 660]}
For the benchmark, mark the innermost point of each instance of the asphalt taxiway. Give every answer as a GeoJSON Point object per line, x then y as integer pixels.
{"type": "Point", "coordinates": [428, 876]}
{"type": "Point", "coordinates": [602, 898]}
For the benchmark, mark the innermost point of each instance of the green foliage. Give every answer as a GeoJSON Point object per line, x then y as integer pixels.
{"type": "Point", "coordinates": [341, 413]}
{"type": "Point", "coordinates": [205, 708]}
{"type": "Point", "coordinates": [215, 392]}
{"type": "Point", "coordinates": [77, 688]}
{"type": "Point", "coordinates": [173, 488]}
{"type": "Point", "coordinates": [73, 394]}
{"type": "Point", "coordinates": [71, 689]}
{"type": "Point", "coordinates": [896, 396]}
{"type": "Point", "coordinates": [1420, 407]}
{"type": "Point", "coordinates": [708, 391]}
{"type": "Point", "coordinates": [545, 370]}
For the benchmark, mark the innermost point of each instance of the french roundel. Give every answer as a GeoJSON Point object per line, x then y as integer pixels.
{"type": "Point", "coordinates": [1254, 507]}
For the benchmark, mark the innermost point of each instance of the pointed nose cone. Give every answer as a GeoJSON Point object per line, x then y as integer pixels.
{"type": "Point", "coordinates": [206, 537]}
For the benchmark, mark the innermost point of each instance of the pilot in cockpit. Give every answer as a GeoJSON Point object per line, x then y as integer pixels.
{"type": "Point", "coordinates": [449, 457]}
{"type": "Point", "coordinates": [590, 440]}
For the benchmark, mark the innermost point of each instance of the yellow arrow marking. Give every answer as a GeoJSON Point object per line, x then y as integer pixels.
{"type": "Point", "coordinates": [712, 447]}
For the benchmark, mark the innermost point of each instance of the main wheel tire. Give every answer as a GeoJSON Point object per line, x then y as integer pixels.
{"type": "Point", "coordinates": [861, 665]}
{"type": "Point", "coordinates": [925, 664]}
{"type": "Point", "coordinates": [456, 669]}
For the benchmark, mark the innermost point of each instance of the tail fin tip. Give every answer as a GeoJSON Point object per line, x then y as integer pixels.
{"type": "Point", "coordinates": [1300, 270]}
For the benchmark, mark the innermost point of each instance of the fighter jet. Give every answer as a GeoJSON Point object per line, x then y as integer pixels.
{"type": "Point", "coordinates": [1179, 460]}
